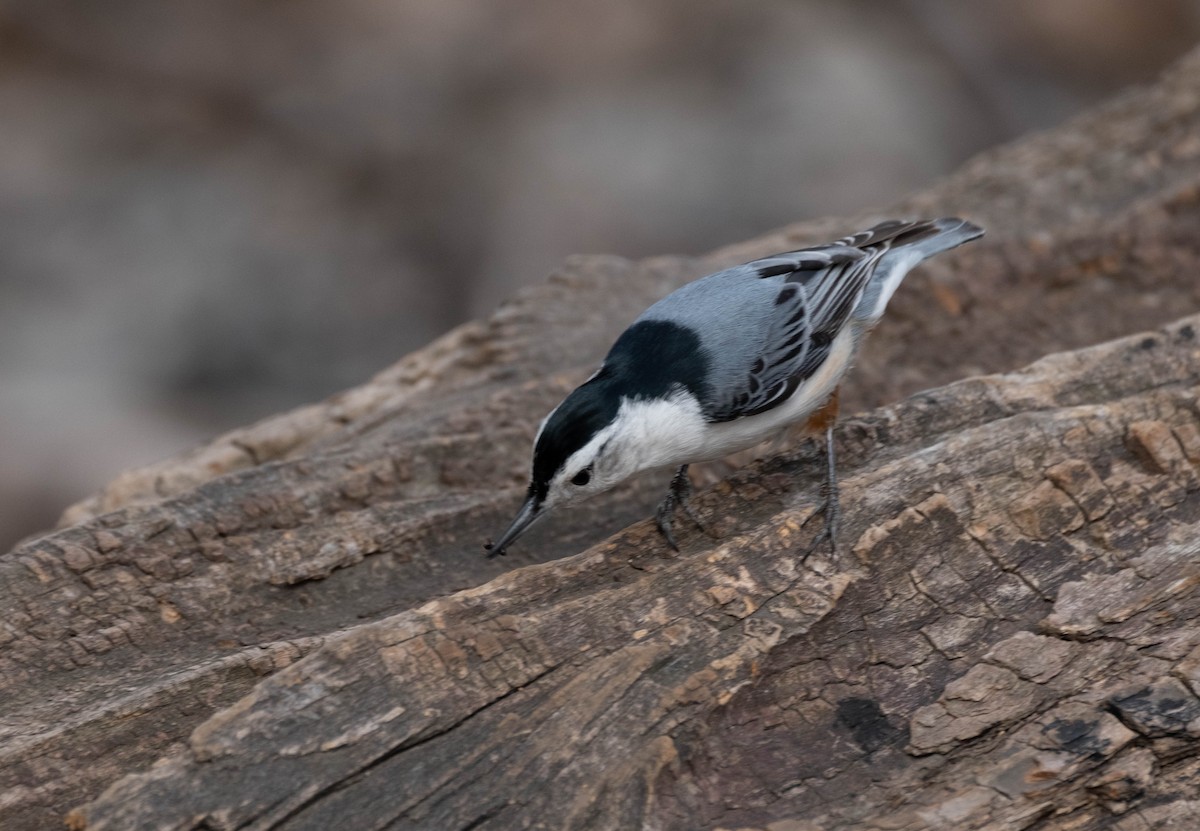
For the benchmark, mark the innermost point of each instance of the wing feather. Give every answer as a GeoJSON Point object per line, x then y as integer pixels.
{"type": "Point", "coordinates": [819, 288]}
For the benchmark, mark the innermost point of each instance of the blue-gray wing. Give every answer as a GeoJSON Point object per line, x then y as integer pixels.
{"type": "Point", "coordinates": [815, 290]}
{"type": "Point", "coordinates": [818, 288]}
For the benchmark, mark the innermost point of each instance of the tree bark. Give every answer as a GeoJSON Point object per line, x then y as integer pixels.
{"type": "Point", "coordinates": [295, 627]}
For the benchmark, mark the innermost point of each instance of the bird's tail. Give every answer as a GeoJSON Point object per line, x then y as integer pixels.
{"type": "Point", "coordinates": [908, 243]}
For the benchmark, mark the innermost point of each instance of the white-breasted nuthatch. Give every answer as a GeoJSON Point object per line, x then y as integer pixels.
{"type": "Point", "coordinates": [723, 363]}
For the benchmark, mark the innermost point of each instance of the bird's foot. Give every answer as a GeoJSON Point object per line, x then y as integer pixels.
{"type": "Point", "coordinates": [678, 494]}
{"type": "Point", "coordinates": [828, 532]}
{"type": "Point", "coordinates": [663, 518]}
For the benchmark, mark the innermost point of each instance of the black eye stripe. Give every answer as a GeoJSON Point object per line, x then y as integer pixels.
{"type": "Point", "coordinates": [582, 477]}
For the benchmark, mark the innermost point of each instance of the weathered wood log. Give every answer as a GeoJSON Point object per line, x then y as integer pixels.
{"type": "Point", "coordinates": [1014, 636]}
{"type": "Point", "coordinates": [1011, 640]}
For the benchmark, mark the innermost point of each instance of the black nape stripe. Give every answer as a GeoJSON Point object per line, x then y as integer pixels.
{"type": "Point", "coordinates": [653, 357]}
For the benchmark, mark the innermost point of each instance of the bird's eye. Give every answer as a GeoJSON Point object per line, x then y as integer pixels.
{"type": "Point", "coordinates": [582, 477]}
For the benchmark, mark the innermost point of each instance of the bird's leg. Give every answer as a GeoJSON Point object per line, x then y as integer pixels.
{"type": "Point", "coordinates": [832, 510]}
{"type": "Point", "coordinates": [677, 496]}
{"type": "Point", "coordinates": [824, 419]}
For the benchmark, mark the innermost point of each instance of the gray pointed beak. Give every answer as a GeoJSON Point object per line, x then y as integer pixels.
{"type": "Point", "coordinates": [529, 513]}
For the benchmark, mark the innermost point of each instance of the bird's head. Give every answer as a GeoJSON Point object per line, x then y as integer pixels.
{"type": "Point", "coordinates": [638, 412]}
{"type": "Point", "coordinates": [578, 453]}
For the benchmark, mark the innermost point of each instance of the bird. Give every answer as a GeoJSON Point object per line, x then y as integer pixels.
{"type": "Point", "coordinates": [723, 363]}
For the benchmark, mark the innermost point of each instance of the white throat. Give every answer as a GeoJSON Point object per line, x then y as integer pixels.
{"type": "Point", "coordinates": [648, 434]}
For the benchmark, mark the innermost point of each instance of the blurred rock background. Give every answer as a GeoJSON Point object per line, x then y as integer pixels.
{"type": "Point", "coordinates": [213, 210]}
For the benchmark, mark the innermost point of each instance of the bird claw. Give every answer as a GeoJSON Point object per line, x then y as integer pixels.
{"type": "Point", "coordinates": [677, 496]}
{"type": "Point", "coordinates": [691, 514]}
{"type": "Point", "coordinates": [826, 533]}
{"type": "Point", "coordinates": [662, 518]}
